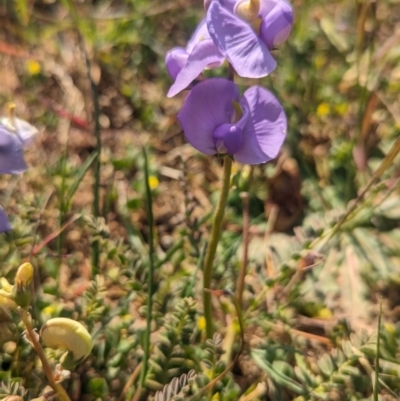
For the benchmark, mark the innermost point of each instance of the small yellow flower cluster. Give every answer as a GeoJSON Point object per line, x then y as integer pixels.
{"type": "Point", "coordinates": [12, 296]}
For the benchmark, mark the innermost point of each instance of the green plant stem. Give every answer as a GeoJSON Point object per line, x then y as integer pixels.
{"type": "Point", "coordinates": [378, 343]}
{"type": "Point", "coordinates": [97, 162]}
{"type": "Point", "coordinates": [33, 337]}
{"type": "Point", "coordinates": [149, 203]}
{"type": "Point", "coordinates": [213, 243]}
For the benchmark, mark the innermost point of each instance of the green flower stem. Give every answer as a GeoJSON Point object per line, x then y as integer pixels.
{"type": "Point", "coordinates": [33, 338]}
{"type": "Point", "coordinates": [213, 243]}
{"type": "Point", "coordinates": [150, 287]}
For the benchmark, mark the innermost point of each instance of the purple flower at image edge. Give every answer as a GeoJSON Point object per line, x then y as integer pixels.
{"type": "Point", "coordinates": [4, 223]}
{"type": "Point", "coordinates": [212, 124]}
{"type": "Point", "coordinates": [14, 135]}
{"type": "Point", "coordinates": [184, 65]}
{"type": "Point", "coordinates": [247, 40]}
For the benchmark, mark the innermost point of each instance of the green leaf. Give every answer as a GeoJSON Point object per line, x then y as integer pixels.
{"type": "Point", "coordinates": [276, 375]}
{"type": "Point", "coordinates": [326, 365]}
{"type": "Point", "coordinates": [80, 175]}
{"type": "Point", "coordinates": [338, 40]}
{"type": "Point", "coordinates": [98, 387]}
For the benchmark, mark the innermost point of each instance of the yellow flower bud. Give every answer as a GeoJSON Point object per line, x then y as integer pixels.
{"type": "Point", "coordinates": [67, 334]}
{"type": "Point", "coordinates": [6, 305]}
{"type": "Point", "coordinates": [5, 286]}
{"type": "Point", "coordinates": [24, 275]}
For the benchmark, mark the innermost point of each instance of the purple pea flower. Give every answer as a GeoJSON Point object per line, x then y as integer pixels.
{"type": "Point", "coordinates": [184, 65]}
{"type": "Point", "coordinates": [14, 135]}
{"type": "Point", "coordinates": [245, 31]}
{"type": "Point", "coordinates": [212, 124]}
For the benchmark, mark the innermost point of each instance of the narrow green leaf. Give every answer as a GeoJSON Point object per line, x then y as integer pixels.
{"type": "Point", "coordinates": [81, 174]}
{"type": "Point", "coordinates": [376, 378]}
{"type": "Point", "coordinates": [278, 377]}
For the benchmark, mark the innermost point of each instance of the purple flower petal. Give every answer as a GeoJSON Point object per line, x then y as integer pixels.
{"type": "Point", "coordinates": [229, 4]}
{"type": "Point", "coordinates": [4, 223]}
{"type": "Point", "coordinates": [11, 153]}
{"type": "Point", "coordinates": [200, 34]}
{"type": "Point", "coordinates": [276, 24]}
{"type": "Point", "coordinates": [229, 136]}
{"type": "Point", "coordinates": [204, 54]}
{"type": "Point", "coordinates": [266, 6]}
{"type": "Point", "coordinates": [208, 105]}
{"type": "Point", "coordinates": [175, 60]}
{"type": "Point", "coordinates": [265, 130]}
{"type": "Point", "coordinates": [237, 41]}
{"type": "Point", "coordinates": [21, 128]}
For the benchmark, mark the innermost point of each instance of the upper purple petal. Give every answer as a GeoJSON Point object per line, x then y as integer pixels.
{"type": "Point", "coordinates": [237, 41]}
{"type": "Point", "coordinates": [11, 152]}
{"type": "Point", "coordinates": [208, 105]}
{"type": "Point", "coordinates": [265, 130]}
{"type": "Point", "coordinates": [204, 54]}
{"type": "Point", "coordinates": [4, 223]}
{"type": "Point", "coordinates": [276, 24]}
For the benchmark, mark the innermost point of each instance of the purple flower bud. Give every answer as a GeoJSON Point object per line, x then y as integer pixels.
{"type": "Point", "coordinates": [175, 60]}
{"type": "Point", "coordinates": [276, 25]}
{"type": "Point", "coordinates": [185, 65]}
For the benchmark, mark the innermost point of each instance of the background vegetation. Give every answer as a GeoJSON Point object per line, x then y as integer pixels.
{"type": "Point", "coordinates": [318, 230]}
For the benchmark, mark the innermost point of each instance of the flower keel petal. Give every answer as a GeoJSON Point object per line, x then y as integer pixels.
{"type": "Point", "coordinates": [208, 105]}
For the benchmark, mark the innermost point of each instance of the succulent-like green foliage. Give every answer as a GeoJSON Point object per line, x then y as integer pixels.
{"type": "Point", "coordinates": [178, 389]}
{"type": "Point", "coordinates": [332, 375]}
{"type": "Point", "coordinates": [170, 354]}
{"type": "Point", "coordinates": [93, 305]}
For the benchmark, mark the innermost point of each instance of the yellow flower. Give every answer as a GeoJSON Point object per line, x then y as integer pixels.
{"type": "Point", "coordinates": [67, 334]}
{"type": "Point", "coordinates": [201, 323]}
{"type": "Point", "coordinates": [153, 182]}
{"type": "Point", "coordinates": [33, 67]}
{"type": "Point", "coordinates": [6, 305]}
{"type": "Point", "coordinates": [323, 109]}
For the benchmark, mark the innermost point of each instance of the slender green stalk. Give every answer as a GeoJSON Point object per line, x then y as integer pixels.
{"type": "Point", "coordinates": [212, 245]}
{"type": "Point", "coordinates": [149, 203]}
{"type": "Point", "coordinates": [245, 236]}
{"type": "Point", "coordinates": [378, 343]}
{"type": "Point", "coordinates": [33, 338]}
{"type": "Point", "coordinates": [97, 162]}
